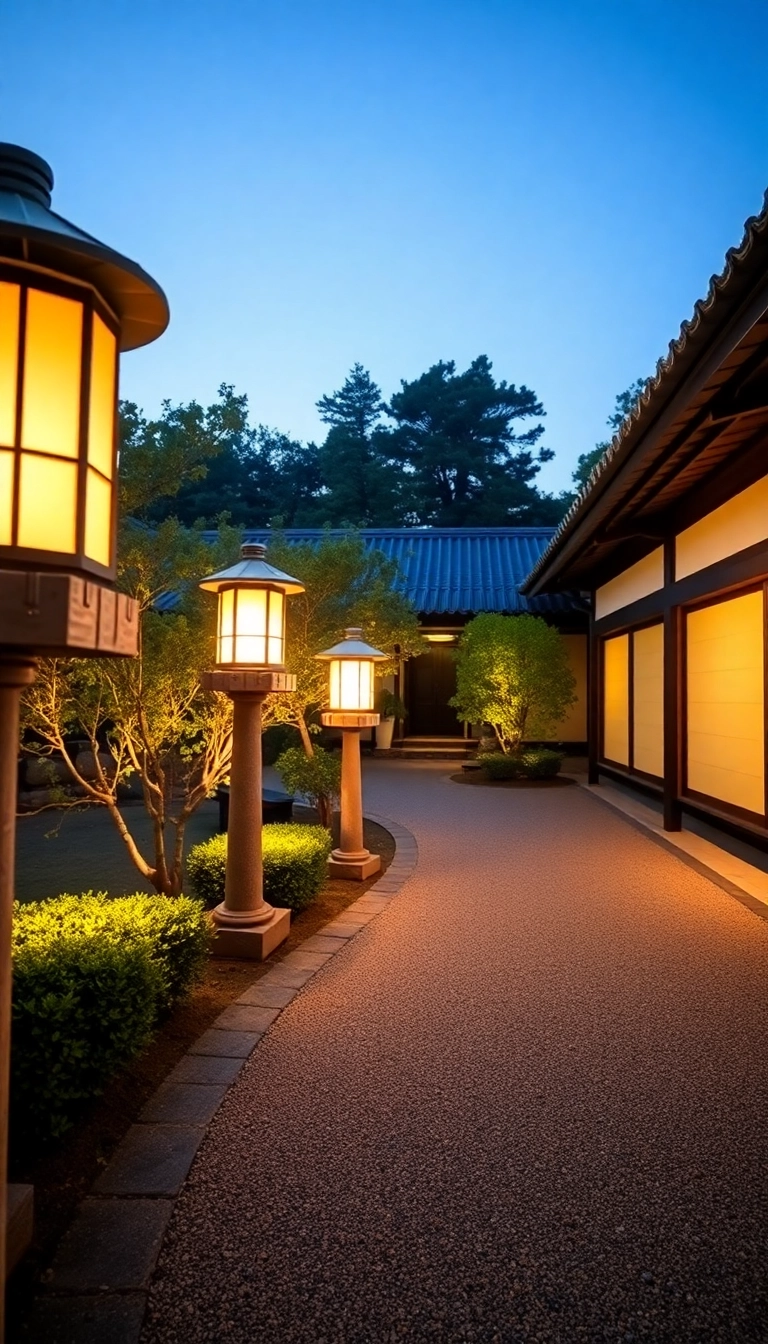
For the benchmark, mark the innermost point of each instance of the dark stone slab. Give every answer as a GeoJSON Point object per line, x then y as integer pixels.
{"type": "Point", "coordinates": [319, 943]}
{"type": "Point", "coordinates": [205, 1069]}
{"type": "Point", "coordinates": [183, 1104]}
{"type": "Point", "coordinates": [238, 1017]}
{"type": "Point", "coordinates": [267, 996]}
{"type": "Point", "coordinates": [289, 976]}
{"type": "Point", "coordinates": [109, 1319]}
{"type": "Point", "coordinates": [112, 1243]}
{"type": "Point", "coordinates": [229, 1044]}
{"type": "Point", "coordinates": [151, 1160]}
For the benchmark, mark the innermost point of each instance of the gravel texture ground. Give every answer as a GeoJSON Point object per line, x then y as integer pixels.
{"type": "Point", "coordinates": [528, 1102]}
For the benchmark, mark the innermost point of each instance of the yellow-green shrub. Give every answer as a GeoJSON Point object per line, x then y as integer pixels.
{"type": "Point", "coordinates": [91, 977]}
{"type": "Point", "coordinates": [295, 864]}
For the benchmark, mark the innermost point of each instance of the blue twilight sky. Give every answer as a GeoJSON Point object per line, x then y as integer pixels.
{"type": "Point", "coordinates": [314, 182]}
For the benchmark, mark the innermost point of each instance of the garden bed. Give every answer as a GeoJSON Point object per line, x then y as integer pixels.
{"type": "Point", "coordinates": [477, 776]}
{"type": "Point", "coordinates": [63, 1175]}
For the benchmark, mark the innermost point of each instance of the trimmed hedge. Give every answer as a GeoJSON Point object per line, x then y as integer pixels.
{"type": "Point", "coordinates": [91, 978]}
{"type": "Point", "coordinates": [538, 763]}
{"type": "Point", "coordinates": [295, 861]}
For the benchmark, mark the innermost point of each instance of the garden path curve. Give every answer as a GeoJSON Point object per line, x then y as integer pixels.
{"type": "Point", "coordinates": [528, 1101]}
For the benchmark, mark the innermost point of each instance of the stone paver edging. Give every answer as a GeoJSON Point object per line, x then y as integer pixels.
{"type": "Point", "coordinates": [95, 1290]}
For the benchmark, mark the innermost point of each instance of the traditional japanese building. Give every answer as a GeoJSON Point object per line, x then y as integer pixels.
{"type": "Point", "coordinates": [670, 538]}
{"type": "Point", "coordinates": [450, 575]}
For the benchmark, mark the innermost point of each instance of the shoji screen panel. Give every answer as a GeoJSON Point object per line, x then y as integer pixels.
{"type": "Point", "coordinates": [616, 699]}
{"type": "Point", "coordinates": [648, 700]}
{"type": "Point", "coordinates": [725, 701]}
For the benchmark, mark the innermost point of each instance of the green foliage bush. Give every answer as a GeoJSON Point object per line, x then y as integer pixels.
{"type": "Point", "coordinates": [316, 777]}
{"type": "Point", "coordinates": [391, 706]}
{"type": "Point", "coordinates": [295, 864]}
{"type": "Point", "coordinates": [513, 673]}
{"type": "Point", "coordinates": [537, 763]}
{"type": "Point", "coordinates": [91, 977]}
{"type": "Point", "coordinates": [276, 739]}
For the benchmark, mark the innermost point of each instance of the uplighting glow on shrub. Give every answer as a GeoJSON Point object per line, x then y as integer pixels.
{"type": "Point", "coordinates": [91, 977]}
{"type": "Point", "coordinates": [295, 865]}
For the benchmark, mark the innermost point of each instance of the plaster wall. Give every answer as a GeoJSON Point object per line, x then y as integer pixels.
{"type": "Point", "coordinates": [725, 684]}
{"type": "Point", "coordinates": [740, 522]}
{"type": "Point", "coordinates": [647, 576]}
{"type": "Point", "coordinates": [574, 726]}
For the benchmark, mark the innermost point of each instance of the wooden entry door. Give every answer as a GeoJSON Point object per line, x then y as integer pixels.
{"type": "Point", "coordinates": [431, 681]}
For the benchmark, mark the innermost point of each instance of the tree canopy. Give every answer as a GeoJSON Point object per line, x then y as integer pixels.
{"type": "Point", "coordinates": [450, 449]}
{"type": "Point", "coordinates": [513, 673]}
{"type": "Point", "coordinates": [623, 405]}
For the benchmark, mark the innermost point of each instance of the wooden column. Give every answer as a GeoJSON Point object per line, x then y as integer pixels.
{"type": "Point", "coordinates": [246, 926]}
{"type": "Point", "coordinates": [15, 674]}
{"type": "Point", "coordinates": [673, 698]}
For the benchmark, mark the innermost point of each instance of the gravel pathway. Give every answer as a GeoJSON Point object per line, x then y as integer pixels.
{"type": "Point", "coordinates": [528, 1102]}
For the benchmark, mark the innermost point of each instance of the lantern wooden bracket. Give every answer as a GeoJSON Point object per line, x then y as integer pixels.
{"type": "Point", "coordinates": [248, 682]}
{"type": "Point", "coordinates": [337, 718]}
{"type": "Point", "coordinates": [64, 614]}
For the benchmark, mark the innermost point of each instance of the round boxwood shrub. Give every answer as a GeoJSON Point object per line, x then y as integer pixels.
{"type": "Point", "coordinates": [295, 865]}
{"type": "Point", "coordinates": [91, 977]}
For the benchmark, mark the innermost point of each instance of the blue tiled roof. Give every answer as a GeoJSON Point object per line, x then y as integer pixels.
{"type": "Point", "coordinates": [451, 570]}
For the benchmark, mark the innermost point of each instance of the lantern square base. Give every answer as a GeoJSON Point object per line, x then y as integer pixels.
{"type": "Point", "coordinates": [254, 943]}
{"type": "Point", "coordinates": [338, 718]}
{"type": "Point", "coordinates": [354, 870]}
{"type": "Point", "coordinates": [248, 681]}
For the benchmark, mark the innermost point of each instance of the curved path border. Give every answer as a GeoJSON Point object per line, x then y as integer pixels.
{"type": "Point", "coordinates": [96, 1288]}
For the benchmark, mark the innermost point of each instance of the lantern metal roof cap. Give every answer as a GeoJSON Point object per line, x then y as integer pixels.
{"type": "Point", "coordinates": [252, 571]}
{"type": "Point", "coordinates": [31, 233]}
{"type": "Point", "coordinates": [353, 646]}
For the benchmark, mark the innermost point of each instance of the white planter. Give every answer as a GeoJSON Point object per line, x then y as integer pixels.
{"type": "Point", "coordinates": [384, 733]}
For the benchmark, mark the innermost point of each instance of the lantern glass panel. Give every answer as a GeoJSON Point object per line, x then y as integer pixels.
{"type": "Point", "coordinates": [98, 518]}
{"type": "Point", "coordinates": [10, 297]}
{"type": "Point", "coordinates": [52, 361]}
{"type": "Point", "coordinates": [276, 612]}
{"type": "Point", "coordinates": [101, 409]}
{"type": "Point", "coordinates": [351, 685]}
{"type": "Point", "coordinates": [6, 498]}
{"type": "Point", "coordinates": [47, 504]}
{"type": "Point", "coordinates": [251, 626]}
{"type": "Point", "coordinates": [226, 652]}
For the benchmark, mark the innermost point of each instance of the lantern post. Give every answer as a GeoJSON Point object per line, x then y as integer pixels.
{"type": "Point", "coordinates": [250, 651]}
{"type": "Point", "coordinates": [350, 702]}
{"type": "Point", "coordinates": [68, 306]}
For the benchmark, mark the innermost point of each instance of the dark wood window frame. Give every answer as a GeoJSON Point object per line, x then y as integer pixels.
{"type": "Point", "coordinates": [736, 575]}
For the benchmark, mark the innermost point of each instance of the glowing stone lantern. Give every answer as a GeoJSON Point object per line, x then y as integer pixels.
{"type": "Point", "coordinates": [351, 693]}
{"type": "Point", "coordinates": [251, 618]}
{"type": "Point", "coordinates": [250, 654]}
{"type": "Point", "coordinates": [68, 306]}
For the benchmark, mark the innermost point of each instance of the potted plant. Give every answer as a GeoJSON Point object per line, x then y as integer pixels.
{"type": "Point", "coordinates": [391, 707]}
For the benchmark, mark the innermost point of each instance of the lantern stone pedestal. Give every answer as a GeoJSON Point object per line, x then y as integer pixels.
{"type": "Point", "coordinates": [351, 860]}
{"type": "Point", "coordinates": [247, 926]}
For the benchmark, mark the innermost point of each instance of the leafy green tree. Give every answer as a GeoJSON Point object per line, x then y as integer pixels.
{"type": "Point", "coordinates": [587, 462]}
{"type": "Point", "coordinates": [360, 485]}
{"type": "Point", "coordinates": [456, 443]}
{"type": "Point", "coordinates": [161, 459]}
{"type": "Point", "coordinates": [513, 673]}
{"type": "Point", "coordinates": [345, 584]}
